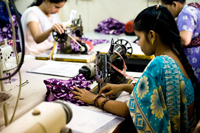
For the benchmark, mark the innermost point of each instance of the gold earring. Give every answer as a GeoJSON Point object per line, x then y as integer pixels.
{"type": "Point", "coordinates": [152, 42]}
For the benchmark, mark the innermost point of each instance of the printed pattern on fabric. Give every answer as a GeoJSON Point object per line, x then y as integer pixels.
{"type": "Point", "coordinates": [5, 24]}
{"type": "Point", "coordinates": [159, 98]}
{"type": "Point", "coordinates": [61, 89]}
{"type": "Point", "coordinates": [189, 20]}
{"type": "Point", "coordinates": [111, 26]}
{"type": "Point", "coordinates": [75, 46]}
{"type": "Point", "coordinates": [193, 56]}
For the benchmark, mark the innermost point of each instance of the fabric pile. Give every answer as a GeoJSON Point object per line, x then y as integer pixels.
{"type": "Point", "coordinates": [5, 25]}
{"type": "Point", "coordinates": [61, 89]}
{"type": "Point", "coordinates": [110, 26]}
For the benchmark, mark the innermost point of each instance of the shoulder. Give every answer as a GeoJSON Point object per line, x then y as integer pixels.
{"type": "Point", "coordinates": [157, 66]}
{"type": "Point", "coordinates": [189, 11]}
{"type": "Point", "coordinates": [32, 16]}
{"type": "Point", "coordinates": [29, 15]}
{"type": "Point", "coordinates": [154, 63]}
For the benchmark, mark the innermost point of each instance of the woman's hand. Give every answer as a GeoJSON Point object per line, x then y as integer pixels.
{"type": "Point", "coordinates": [110, 89]}
{"type": "Point", "coordinates": [59, 28]}
{"type": "Point", "coordinates": [84, 95]}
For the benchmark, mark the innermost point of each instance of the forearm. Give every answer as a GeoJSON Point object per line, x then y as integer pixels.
{"type": "Point", "coordinates": [42, 36]}
{"type": "Point", "coordinates": [37, 34]}
{"type": "Point", "coordinates": [127, 87]}
{"type": "Point", "coordinates": [115, 107]}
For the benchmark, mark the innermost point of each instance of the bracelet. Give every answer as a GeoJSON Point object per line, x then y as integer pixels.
{"type": "Point", "coordinates": [134, 84]}
{"type": "Point", "coordinates": [95, 100]}
{"type": "Point", "coordinates": [103, 103]}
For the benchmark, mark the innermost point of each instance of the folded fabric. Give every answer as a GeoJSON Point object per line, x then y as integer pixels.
{"type": "Point", "coordinates": [61, 89]}
{"type": "Point", "coordinates": [110, 26]}
{"type": "Point", "coordinates": [95, 41]}
{"type": "Point", "coordinates": [194, 4]}
{"type": "Point", "coordinates": [75, 47]}
{"type": "Point", "coordinates": [195, 42]}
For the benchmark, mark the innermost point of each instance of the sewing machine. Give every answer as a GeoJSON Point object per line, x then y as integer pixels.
{"type": "Point", "coordinates": [68, 44]}
{"type": "Point", "coordinates": [47, 117]}
{"type": "Point", "coordinates": [115, 58]}
{"type": "Point", "coordinates": [110, 67]}
{"type": "Point", "coordinates": [7, 57]}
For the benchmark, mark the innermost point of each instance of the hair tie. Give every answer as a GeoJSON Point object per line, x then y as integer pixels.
{"type": "Point", "coordinates": [157, 7]}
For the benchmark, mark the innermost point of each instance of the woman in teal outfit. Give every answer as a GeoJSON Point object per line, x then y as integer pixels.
{"type": "Point", "coordinates": [165, 96]}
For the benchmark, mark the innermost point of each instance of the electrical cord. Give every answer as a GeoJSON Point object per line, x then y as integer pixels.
{"type": "Point", "coordinates": [22, 40]}
{"type": "Point", "coordinates": [21, 60]}
{"type": "Point", "coordinates": [15, 50]}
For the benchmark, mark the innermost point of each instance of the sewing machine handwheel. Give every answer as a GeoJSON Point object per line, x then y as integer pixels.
{"type": "Point", "coordinates": [128, 46]}
{"type": "Point", "coordinates": [60, 38]}
{"type": "Point", "coordinates": [85, 48]}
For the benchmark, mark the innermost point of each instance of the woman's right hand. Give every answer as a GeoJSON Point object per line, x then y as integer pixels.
{"type": "Point", "coordinates": [59, 28]}
{"type": "Point", "coordinates": [110, 89]}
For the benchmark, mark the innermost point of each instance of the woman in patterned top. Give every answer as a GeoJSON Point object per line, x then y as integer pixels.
{"type": "Point", "coordinates": [165, 96]}
{"type": "Point", "coordinates": [188, 22]}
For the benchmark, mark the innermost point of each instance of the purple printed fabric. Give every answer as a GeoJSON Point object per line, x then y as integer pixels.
{"type": "Point", "coordinates": [111, 26]}
{"type": "Point", "coordinates": [5, 24]}
{"type": "Point", "coordinates": [6, 31]}
{"type": "Point", "coordinates": [95, 41]}
{"type": "Point", "coordinates": [189, 20]}
{"type": "Point", "coordinates": [194, 4]}
{"type": "Point", "coordinates": [61, 89]}
{"type": "Point", "coordinates": [195, 42]}
{"type": "Point", "coordinates": [75, 47]}
{"type": "Point", "coordinates": [193, 56]}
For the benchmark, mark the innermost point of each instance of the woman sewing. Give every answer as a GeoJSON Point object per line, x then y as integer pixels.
{"type": "Point", "coordinates": [38, 21]}
{"type": "Point", "coordinates": [165, 96]}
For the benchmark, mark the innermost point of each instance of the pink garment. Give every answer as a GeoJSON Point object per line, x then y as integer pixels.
{"type": "Point", "coordinates": [35, 14]}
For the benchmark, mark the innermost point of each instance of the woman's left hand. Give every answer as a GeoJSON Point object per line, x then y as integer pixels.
{"type": "Point", "coordinates": [84, 95]}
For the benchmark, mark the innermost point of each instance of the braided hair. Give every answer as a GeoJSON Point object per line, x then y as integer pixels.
{"type": "Point", "coordinates": [39, 2]}
{"type": "Point", "coordinates": [162, 22]}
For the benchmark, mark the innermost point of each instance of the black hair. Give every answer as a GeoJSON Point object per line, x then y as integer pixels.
{"type": "Point", "coordinates": [159, 19]}
{"type": "Point", "coordinates": [39, 2]}
{"type": "Point", "coordinates": [169, 2]}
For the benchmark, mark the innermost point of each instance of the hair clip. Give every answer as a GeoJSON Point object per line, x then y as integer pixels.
{"type": "Point", "coordinates": [157, 7]}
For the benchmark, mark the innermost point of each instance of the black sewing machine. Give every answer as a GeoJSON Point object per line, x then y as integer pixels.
{"type": "Point", "coordinates": [66, 39]}
{"type": "Point", "coordinates": [108, 67]}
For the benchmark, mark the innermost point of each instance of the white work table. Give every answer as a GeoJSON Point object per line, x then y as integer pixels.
{"type": "Point", "coordinates": [34, 91]}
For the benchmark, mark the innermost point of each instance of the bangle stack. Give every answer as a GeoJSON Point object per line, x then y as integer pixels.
{"type": "Point", "coordinates": [102, 104]}
{"type": "Point", "coordinates": [95, 100]}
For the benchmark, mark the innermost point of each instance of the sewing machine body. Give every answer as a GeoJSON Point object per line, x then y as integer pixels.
{"type": "Point", "coordinates": [7, 57]}
{"type": "Point", "coordinates": [104, 72]}
{"type": "Point", "coordinates": [65, 41]}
